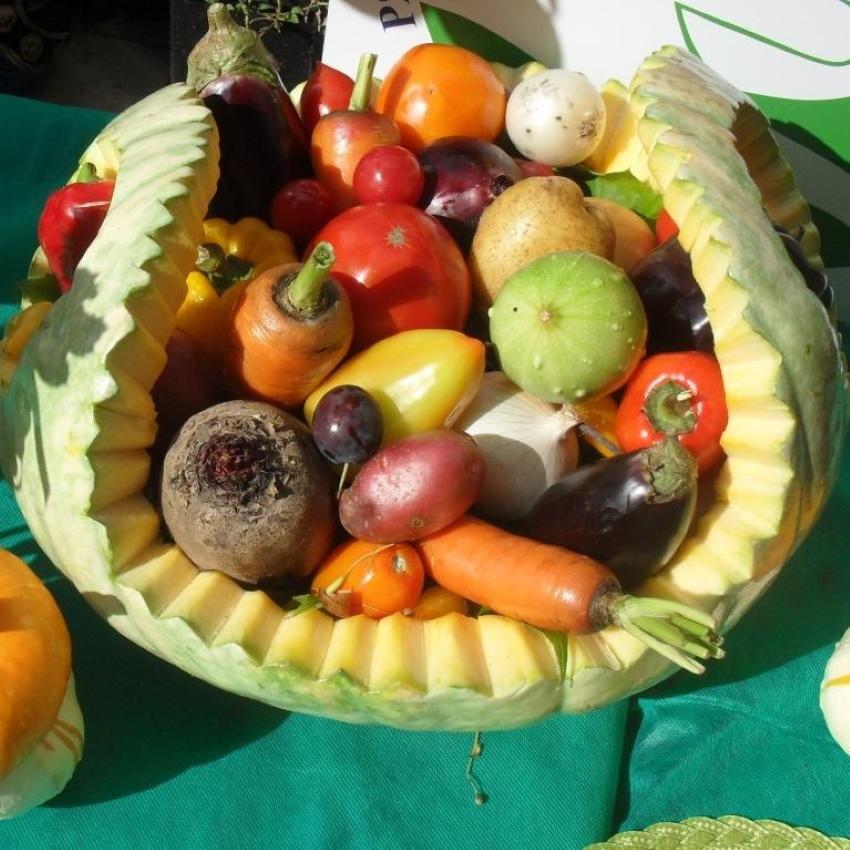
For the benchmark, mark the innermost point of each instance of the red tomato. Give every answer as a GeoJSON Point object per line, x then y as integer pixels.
{"type": "Point", "coordinates": [340, 140]}
{"type": "Point", "coordinates": [301, 208]}
{"type": "Point", "coordinates": [327, 90]}
{"type": "Point", "coordinates": [370, 578]}
{"type": "Point", "coordinates": [665, 227]}
{"type": "Point", "coordinates": [678, 393]}
{"type": "Point", "coordinates": [388, 173]}
{"type": "Point", "coordinates": [401, 270]}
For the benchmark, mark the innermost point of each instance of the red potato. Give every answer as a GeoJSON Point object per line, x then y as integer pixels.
{"type": "Point", "coordinates": [413, 487]}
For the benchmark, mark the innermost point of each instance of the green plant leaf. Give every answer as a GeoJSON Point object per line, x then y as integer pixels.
{"type": "Point", "coordinates": [303, 602]}
{"type": "Point", "coordinates": [625, 189]}
{"type": "Point", "coordinates": [561, 643]}
{"type": "Point", "coordinates": [725, 833]}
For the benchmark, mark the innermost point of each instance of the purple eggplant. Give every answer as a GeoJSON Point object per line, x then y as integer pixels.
{"type": "Point", "coordinates": [815, 278]}
{"type": "Point", "coordinates": [674, 303]}
{"type": "Point", "coordinates": [262, 143]}
{"type": "Point", "coordinates": [630, 511]}
{"type": "Point", "coordinates": [462, 176]}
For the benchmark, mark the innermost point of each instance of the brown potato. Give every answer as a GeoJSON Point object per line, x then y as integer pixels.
{"type": "Point", "coordinates": [534, 217]}
{"type": "Point", "coordinates": [413, 487]}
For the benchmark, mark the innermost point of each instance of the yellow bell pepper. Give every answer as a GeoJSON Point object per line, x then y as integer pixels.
{"type": "Point", "coordinates": [421, 379]}
{"type": "Point", "coordinates": [230, 256]}
{"type": "Point", "coordinates": [17, 334]}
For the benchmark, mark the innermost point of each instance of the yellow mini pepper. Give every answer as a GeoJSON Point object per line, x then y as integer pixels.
{"type": "Point", "coordinates": [230, 256]}
{"type": "Point", "coordinates": [17, 334]}
{"type": "Point", "coordinates": [421, 379]}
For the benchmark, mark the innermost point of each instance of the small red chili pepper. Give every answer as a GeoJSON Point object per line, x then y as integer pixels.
{"type": "Point", "coordinates": [679, 393]}
{"type": "Point", "coordinates": [69, 222]}
{"type": "Point", "coordinates": [665, 227]}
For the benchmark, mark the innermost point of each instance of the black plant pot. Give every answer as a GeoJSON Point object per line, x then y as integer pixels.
{"type": "Point", "coordinates": [297, 47]}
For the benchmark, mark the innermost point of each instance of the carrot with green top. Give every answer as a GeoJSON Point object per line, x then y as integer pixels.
{"type": "Point", "coordinates": [552, 588]}
{"type": "Point", "coordinates": [290, 328]}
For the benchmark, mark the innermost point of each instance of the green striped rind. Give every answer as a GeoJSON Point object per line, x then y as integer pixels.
{"type": "Point", "coordinates": [777, 349]}
{"type": "Point", "coordinates": [724, 833]}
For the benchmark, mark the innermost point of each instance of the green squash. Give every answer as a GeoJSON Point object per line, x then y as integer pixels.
{"type": "Point", "coordinates": [78, 418]}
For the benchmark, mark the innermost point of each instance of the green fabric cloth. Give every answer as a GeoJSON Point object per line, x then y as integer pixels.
{"type": "Point", "coordinates": [171, 762]}
{"type": "Point", "coordinates": [748, 738]}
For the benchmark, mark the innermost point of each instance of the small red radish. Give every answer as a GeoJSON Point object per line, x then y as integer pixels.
{"type": "Point", "coordinates": [413, 487]}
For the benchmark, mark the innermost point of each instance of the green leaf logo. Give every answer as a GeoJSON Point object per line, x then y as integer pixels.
{"type": "Point", "coordinates": [766, 65]}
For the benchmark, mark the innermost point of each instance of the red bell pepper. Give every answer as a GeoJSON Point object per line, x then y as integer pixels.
{"type": "Point", "coordinates": [69, 222]}
{"type": "Point", "coordinates": [679, 393]}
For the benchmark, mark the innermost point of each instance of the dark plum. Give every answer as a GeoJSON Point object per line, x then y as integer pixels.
{"type": "Point", "coordinates": [674, 303]}
{"type": "Point", "coordinates": [462, 176]}
{"type": "Point", "coordinates": [347, 425]}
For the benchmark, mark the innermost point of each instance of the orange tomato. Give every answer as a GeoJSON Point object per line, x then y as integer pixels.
{"type": "Point", "coordinates": [436, 601]}
{"type": "Point", "coordinates": [370, 578]}
{"type": "Point", "coordinates": [598, 418]}
{"type": "Point", "coordinates": [437, 90]}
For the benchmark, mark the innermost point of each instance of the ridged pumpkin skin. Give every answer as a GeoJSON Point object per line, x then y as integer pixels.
{"type": "Point", "coordinates": [78, 418]}
{"type": "Point", "coordinates": [41, 729]}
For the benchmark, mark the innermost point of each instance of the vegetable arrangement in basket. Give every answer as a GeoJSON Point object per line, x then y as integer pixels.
{"type": "Point", "coordinates": [485, 448]}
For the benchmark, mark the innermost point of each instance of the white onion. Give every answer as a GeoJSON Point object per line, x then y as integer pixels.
{"type": "Point", "coordinates": [556, 117]}
{"type": "Point", "coordinates": [835, 693]}
{"type": "Point", "coordinates": [527, 443]}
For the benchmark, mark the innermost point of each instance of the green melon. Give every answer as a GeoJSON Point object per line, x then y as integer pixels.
{"type": "Point", "coordinates": [78, 418]}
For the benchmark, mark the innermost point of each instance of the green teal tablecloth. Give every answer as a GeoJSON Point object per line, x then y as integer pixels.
{"type": "Point", "coordinates": [171, 762]}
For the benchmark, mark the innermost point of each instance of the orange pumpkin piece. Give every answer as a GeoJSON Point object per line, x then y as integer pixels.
{"type": "Point", "coordinates": [35, 661]}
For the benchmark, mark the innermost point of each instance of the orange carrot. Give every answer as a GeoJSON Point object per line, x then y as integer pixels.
{"type": "Point", "coordinates": [289, 329]}
{"type": "Point", "coordinates": [552, 588]}
{"type": "Point", "coordinates": [340, 139]}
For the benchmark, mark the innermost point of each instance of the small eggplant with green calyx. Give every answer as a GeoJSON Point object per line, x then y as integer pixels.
{"type": "Point", "coordinates": [630, 511]}
{"type": "Point", "coordinates": [261, 139]}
